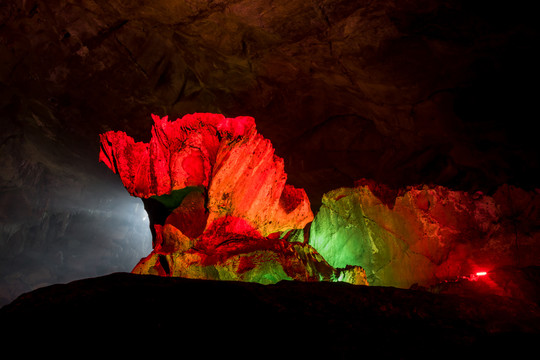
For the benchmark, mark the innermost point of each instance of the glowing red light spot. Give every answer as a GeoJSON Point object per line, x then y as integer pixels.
{"type": "Point", "coordinates": [481, 273]}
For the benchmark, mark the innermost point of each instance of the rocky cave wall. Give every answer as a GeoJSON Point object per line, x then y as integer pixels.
{"type": "Point", "coordinates": [404, 93]}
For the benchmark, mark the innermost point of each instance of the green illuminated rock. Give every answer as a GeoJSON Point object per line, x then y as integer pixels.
{"type": "Point", "coordinates": [172, 200]}
{"type": "Point", "coordinates": [425, 234]}
{"type": "Point", "coordinates": [353, 227]}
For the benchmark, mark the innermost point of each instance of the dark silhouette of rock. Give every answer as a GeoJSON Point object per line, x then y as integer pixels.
{"type": "Point", "coordinates": [288, 319]}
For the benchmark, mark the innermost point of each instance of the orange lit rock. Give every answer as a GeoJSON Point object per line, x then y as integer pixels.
{"type": "Point", "coordinates": [248, 181]}
{"type": "Point", "coordinates": [236, 166]}
{"type": "Point", "coordinates": [218, 203]}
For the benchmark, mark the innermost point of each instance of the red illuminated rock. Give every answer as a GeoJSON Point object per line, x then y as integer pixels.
{"type": "Point", "coordinates": [181, 153]}
{"type": "Point", "coordinates": [235, 165]}
{"type": "Point", "coordinates": [218, 202]}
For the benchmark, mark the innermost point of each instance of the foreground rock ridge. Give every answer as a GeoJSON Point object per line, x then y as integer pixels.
{"type": "Point", "coordinates": [314, 319]}
{"type": "Point", "coordinates": [218, 203]}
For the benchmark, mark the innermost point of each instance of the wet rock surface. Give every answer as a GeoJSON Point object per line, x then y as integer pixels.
{"type": "Point", "coordinates": [334, 320]}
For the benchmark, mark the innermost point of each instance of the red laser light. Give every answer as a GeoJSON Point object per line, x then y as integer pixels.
{"type": "Point", "coordinates": [481, 273]}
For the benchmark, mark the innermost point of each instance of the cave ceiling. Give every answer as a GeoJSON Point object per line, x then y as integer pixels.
{"type": "Point", "coordinates": [402, 92]}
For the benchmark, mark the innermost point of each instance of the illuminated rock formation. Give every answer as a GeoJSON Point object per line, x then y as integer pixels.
{"type": "Point", "coordinates": [235, 166]}
{"type": "Point", "coordinates": [220, 208]}
{"type": "Point", "coordinates": [424, 234]}
{"type": "Point", "coordinates": [218, 202]}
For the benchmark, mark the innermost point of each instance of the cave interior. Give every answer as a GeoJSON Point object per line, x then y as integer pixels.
{"type": "Point", "coordinates": [429, 103]}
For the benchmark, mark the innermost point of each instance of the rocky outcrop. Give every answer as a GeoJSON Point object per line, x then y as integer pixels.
{"type": "Point", "coordinates": [235, 167]}
{"type": "Point", "coordinates": [426, 234]}
{"type": "Point", "coordinates": [298, 319]}
{"type": "Point", "coordinates": [218, 202]}
{"type": "Point", "coordinates": [226, 213]}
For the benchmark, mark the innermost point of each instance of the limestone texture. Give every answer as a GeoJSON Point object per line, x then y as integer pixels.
{"type": "Point", "coordinates": [425, 235]}
{"type": "Point", "coordinates": [218, 203]}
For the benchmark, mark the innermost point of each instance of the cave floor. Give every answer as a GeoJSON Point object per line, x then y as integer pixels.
{"type": "Point", "coordinates": [288, 319]}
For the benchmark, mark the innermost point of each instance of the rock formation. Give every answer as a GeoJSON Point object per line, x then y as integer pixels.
{"type": "Point", "coordinates": [218, 202]}
{"type": "Point", "coordinates": [405, 93]}
{"type": "Point", "coordinates": [220, 208]}
{"type": "Point", "coordinates": [426, 234]}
